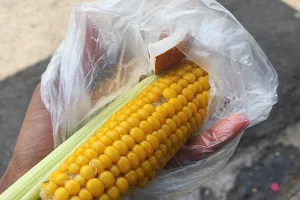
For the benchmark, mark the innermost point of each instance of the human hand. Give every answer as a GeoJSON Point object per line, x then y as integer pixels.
{"type": "Point", "coordinates": [209, 141]}
{"type": "Point", "coordinates": [35, 141]}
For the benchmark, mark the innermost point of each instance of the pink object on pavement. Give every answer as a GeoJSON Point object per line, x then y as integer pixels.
{"type": "Point", "coordinates": [275, 187]}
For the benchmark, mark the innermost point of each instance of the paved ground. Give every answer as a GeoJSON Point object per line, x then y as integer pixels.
{"type": "Point", "coordinates": [268, 152]}
{"type": "Point", "coordinates": [29, 33]}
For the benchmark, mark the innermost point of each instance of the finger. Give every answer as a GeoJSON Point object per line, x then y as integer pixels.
{"type": "Point", "coordinates": [222, 132]}
{"type": "Point", "coordinates": [210, 141]}
{"type": "Point", "coordinates": [34, 142]}
{"type": "Point", "coordinates": [35, 139]}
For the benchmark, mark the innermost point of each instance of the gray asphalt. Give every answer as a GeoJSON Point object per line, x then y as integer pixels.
{"type": "Point", "coordinates": [268, 152]}
{"type": "Point", "coordinates": [277, 31]}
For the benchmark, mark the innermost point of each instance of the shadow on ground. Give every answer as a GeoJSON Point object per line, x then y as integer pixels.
{"type": "Point", "coordinates": [276, 30]}
{"type": "Point", "coordinates": [15, 94]}
{"type": "Point", "coordinates": [270, 22]}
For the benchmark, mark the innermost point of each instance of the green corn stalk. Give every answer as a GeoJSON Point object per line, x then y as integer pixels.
{"type": "Point", "coordinates": [28, 186]}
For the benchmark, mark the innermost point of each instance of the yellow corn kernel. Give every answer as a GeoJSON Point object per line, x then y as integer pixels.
{"type": "Point", "coordinates": [202, 113]}
{"type": "Point", "coordinates": [192, 88]}
{"type": "Point", "coordinates": [174, 140]}
{"type": "Point", "coordinates": [134, 160]}
{"type": "Point", "coordinates": [61, 194]}
{"type": "Point", "coordinates": [121, 130]}
{"type": "Point", "coordinates": [79, 151]}
{"type": "Point", "coordinates": [115, 170]}
{"type": "Point", "coordinates": [158, 91]}
{"type": "Point", "coordinates": [182, 99]}
{"type": "Point", "coordinates": [126, 125]}
{"type": "Point", "coordinates": [95, 186]}
{"type": "Point", "coordinates": [71, 159]}
{"type": "Point", "coordinates": [59, 178]}
{"type": "Point", "coordinates": [143, 183]}
{"type": "Point", "coordinates": [166, 128]}
{"type": "Point", "coordinates": [80, 180]}
{"type": "Point", "coordinates": [152, 96]}
{"type": "Point", "coordinates": [153, 141]}
{"type": "Point", "coordinates": [188, 94]}
{"type": "Point", "coordinates": [112, 153]}
{"type": "Point", "coordinates": [163, 134]}
{"type": "Point", "coordinates": [131, 177]}
{"type": "Point", "coordinates": [113, 193]}
{"type": "Point", "coordinates": [140, 152]}
{"type": "Point", "coordinates": [147, 147]}
{"type": "Point", "coordinates": [157, 135]}
{"type": "Point", "coordinates": [106, 161]}
{"type": "Point", "coordinates": [143, 113]}
{"type": "Point", "coordinates": [187, 67]}
{"type": "Point", "coordinates": [182, 82]}
{"type": "Point", "coordinates": [113, 135]}
{"type": "Point", "coordinates": [176, 104]}
{"type": "Point", "coordinates": [146, 126]}
{"type": "Point", "coordinates": [105, 140]}
{"type": "Point", "coordinates": [197, 72]}
{"type": "Point", "coordinates": [176, 87]}
{"type": "Point", "coordinates": [204, 82]}
{"type": "Point", "coordinates": [170, 109]}
{"type": "Point", "coordinates": [87, 172]}
{"type": "Point", "coordinates": [84, 194]}
{"type": "Point", "coordinates": [73, 168]}
{"type": "Point", "coordinates": [81, 160]}
{"type": "Point", "coordinates": [169, 145]}
{"type": "Point", "coordinates": [162, 110]}
{"type": "Point", "coordinates": [122, 185]}
{"type": "Point", "coordinates": [138, 134]}
{"type": "Point", "coordinates": [158, 154]}
{"type": "Point", "coordinates": [189, 77]}
{"type": "Point", "coordinates": [63, 168]}
{"type": "Point", "coordinates": [97, 165]}
{"type": "Point", "coordinates": [72, 186]}
{"type": "Point", "coordinates": [107, 179]}
{"type": "Point", "coordinates": [75, 198]}
{"type": "Point", "coordinates": [171, 124]}
{"type": "Point", "coordinates": [136, 141]}
{"type": "Point", "coordinates": [121, 147]}
{"type": "Point", "coordinates": [49, 188]}
{"type": "Point", "coordinates": [159, 117]}
{"type": "Point", "coordinates": [179, 134]}
{"type": "Point", "coordinates": [124, 164]}
{"type": "Point", "coordinates": [128, 140]}
{"type": "Point", "coordinates": [154, 163]}
{"type": "Point", "coordinates": [90, 153]}
{"type": "Point", "coordinates": [104, 197]}
{"type": "Point", "coordinates": [177, 120]}
{"type": "Point", "coordinates": [146, 166]}
{"type": "Point", "coordinates": [140, 174]}
{"type": "Point", "coordinates": [198, 86]}
{"type": "Point", "coordinates": [98, 146]}
{"type": "Point", "coordinates": [169, 93]}
{"type": "Point", "coordinates": [154, 123]}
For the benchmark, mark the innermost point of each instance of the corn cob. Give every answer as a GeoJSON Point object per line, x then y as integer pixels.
{"type": "Point", "coordinates": [136, 141]}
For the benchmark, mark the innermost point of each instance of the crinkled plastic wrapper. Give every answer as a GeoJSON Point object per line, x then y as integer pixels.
{"type": "Point", "coordinates": [105, 53]}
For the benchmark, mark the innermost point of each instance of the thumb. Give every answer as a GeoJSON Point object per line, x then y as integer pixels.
{"type": "Point", "coordinates": [209, 141]}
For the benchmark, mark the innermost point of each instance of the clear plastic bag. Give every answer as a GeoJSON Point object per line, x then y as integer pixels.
{"type": "Point", "coordinates": [106, 52]}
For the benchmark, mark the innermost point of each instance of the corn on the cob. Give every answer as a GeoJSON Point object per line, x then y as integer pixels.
{"type": "Point", "coordinates": [136, 141]}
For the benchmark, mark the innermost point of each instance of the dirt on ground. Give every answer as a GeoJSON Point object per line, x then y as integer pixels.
{"type": "Point", "coordinates": [268, 153]}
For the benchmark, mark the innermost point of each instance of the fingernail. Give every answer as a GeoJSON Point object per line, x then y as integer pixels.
{"type": "Point", "coordinates": [244, 119]}
{"type": "Point", "coordinates": [246, 125]}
